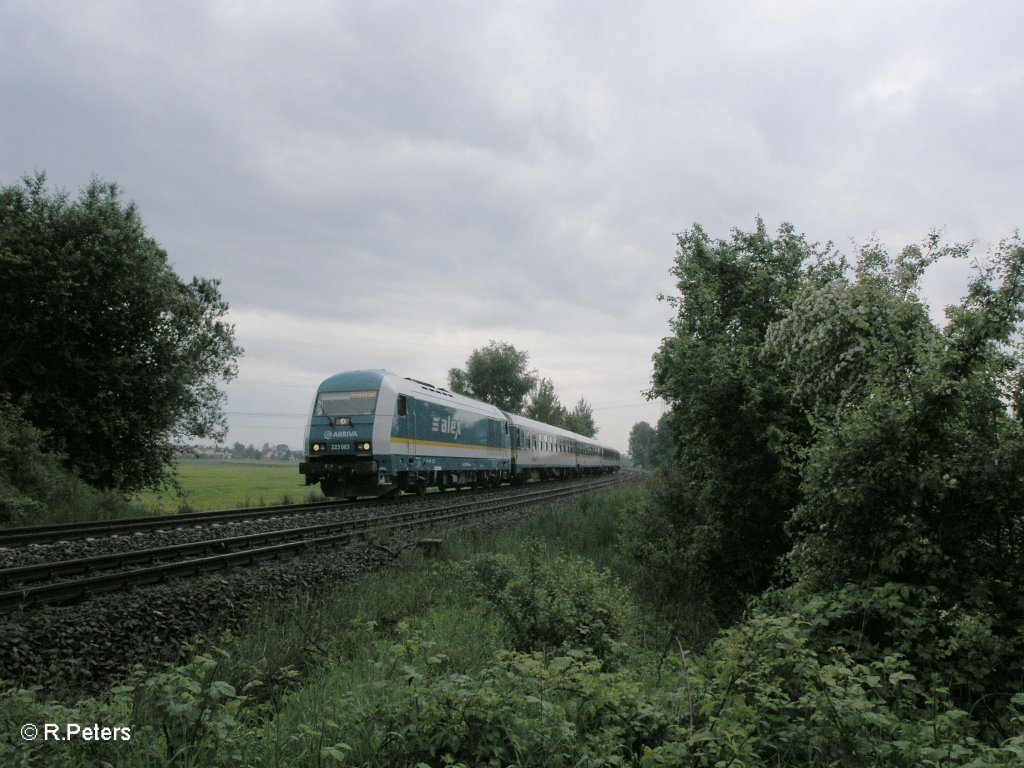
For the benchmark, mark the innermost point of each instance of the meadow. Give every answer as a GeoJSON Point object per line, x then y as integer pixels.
{"type": "Point", "coordinates": [210, 484]}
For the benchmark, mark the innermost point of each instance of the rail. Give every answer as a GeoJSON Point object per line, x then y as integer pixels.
{"type": "Point", "coordinates": [43, 534]}
{"type": "Point", "coordinates": [238, 550]}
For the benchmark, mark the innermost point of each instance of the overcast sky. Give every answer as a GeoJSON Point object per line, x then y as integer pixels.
{"type": "Point", "coordinates": [393, 184]}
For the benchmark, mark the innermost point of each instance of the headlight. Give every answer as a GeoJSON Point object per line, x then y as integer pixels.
{"type": "Point", "coordinates": [364, 446]}
{"type": "Point", "coordinates": [316, 447]}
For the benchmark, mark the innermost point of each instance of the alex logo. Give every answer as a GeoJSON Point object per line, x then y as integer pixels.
{"type": "Point", "coordinates": [447, 426]}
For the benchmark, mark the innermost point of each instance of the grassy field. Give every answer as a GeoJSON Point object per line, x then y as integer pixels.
{"type": "Point", "coordinates": [209, 484]}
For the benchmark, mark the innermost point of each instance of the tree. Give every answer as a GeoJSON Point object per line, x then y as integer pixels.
{"type": "Point", "coordinates": [723, 512]}
{"type": "Point", "coordinates": [641, 439]}
{"type": "Point", "coordinates": [544, 404]}
{"type": "Point", "coordinates": [912, 471]}
{"type": "Point", "coordinates": [581, 419]}
{"type": "Point", "coordinates": [909, 525]}
{"type": "Point", "coordinates": [497, 374]}
{"type": "Point", "coordinates": [830, 436]}
{"type": "Point", "coordinates": [109, 351]}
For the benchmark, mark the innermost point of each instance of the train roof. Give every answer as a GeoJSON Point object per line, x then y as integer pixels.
{"type": "Point", "coordinates": [372, 379]}
{"type": "Point", "coordinates": [353, 380]}
{"type": "Point", "coordinates": [522, 421]}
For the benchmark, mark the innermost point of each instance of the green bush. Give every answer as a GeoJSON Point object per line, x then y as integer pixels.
{"type": "Point", "coordinates": [676, 571]}
{"type": "Point", "coordinates": [27, 472]}
{"type": "Point", "coordinates": [20, 707]}
{"type": "Point", "coordinates": [553, 603]}
{"type": "Point", "coordinates": [114, 354]}
{"type": "Point", "coordinates": [730, 492]}
{"type": "Point", "coordinates": [829, 434]}
{"type": "Point", "coordinates": [769, 692]}
{"type": "Point", "coordinates": [35, 487]}
{"type": "Point", "coordinates": [521, 709]}
{"type": "Point", "coordinates": [960, 651]}
{"type": "Point", "coordinates": [183, 716]}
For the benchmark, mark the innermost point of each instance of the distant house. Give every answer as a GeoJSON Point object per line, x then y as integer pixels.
{"type": "Point", "coordinates": [203, 451]}
{"type": "Point", "coordinates": [277, 454]}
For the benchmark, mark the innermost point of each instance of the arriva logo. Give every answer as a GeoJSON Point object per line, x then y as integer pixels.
{"type": "Point", "coordinates": [328, 435]}
{"type": "Point", "coordinates": [448, 426]}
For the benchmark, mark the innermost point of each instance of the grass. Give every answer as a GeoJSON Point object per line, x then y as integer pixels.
{"type": "Point", "coordinates": [210, 484]}
{"type": "Point", "coordinates": [204, 485]}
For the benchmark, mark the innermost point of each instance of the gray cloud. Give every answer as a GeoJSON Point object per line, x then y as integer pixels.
{"type": "Point", "coordinates": [393, 184]}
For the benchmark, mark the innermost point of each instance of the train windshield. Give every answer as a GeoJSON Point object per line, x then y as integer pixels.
{"type": "Point", "coordinates": [345, 403]}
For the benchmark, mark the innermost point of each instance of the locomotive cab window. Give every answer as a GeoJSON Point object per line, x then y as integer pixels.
{"type": "Point", "coordinates": [345, 403]}
{"type": "Point", "coordinates": [403, 406]}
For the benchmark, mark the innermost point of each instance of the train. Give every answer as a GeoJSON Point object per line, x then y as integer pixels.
{"type": "Point", "coordinates": [375, 433]}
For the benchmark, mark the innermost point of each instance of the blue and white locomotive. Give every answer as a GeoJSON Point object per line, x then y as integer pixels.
{"type": "Point", "coordinates": [374, 432]}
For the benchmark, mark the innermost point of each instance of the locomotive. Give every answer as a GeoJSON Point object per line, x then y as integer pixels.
{"type": "Point", "coordinates": [377, 433]}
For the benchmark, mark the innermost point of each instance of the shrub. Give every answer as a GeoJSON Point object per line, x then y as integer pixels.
{"type": "Point", "coordinates": [731, 493]}
{"type": "Point", "coordinates": [769, 692]}
{"type": "Point", "coordinates": [183, 716]}
{"type": "Point", "coordinates": [35, 487]}
{"type": "Point", "coordinates": [22, 706]}
{"type": "Point", "coordinates": [522, 709]}
{"type": "Point", "coordinates": [553, 603]}
{"type": "Point", "coordinates": [28, 472]}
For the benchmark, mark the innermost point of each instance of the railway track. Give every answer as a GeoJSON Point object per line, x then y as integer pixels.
{"type": "Point", "coordinates": [45, 534]}
{"type": "Point", "coordinates": [20, 586]}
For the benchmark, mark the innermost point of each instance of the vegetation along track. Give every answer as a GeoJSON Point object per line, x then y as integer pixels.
{"type": "Point", "coordinates": [21, 587]}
